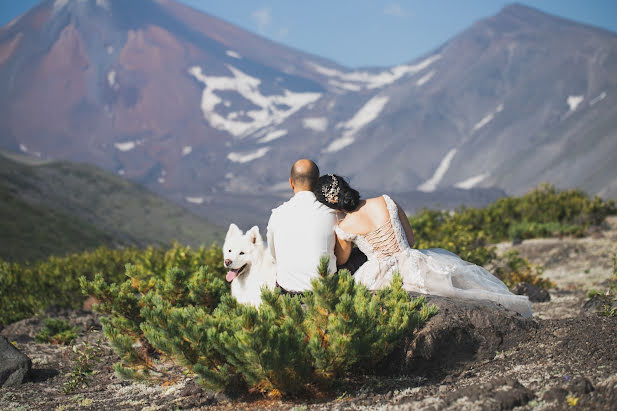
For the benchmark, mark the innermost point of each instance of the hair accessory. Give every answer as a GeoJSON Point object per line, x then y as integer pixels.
{"type": "Point", "coordinates": [331, 194]}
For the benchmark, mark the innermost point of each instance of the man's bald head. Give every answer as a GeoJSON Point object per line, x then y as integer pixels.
{"type": "Point", "coordinates": [304, 175]}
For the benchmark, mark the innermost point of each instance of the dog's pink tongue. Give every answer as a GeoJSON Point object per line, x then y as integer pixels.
{"type": "Point", "coordinates": [231, 275]}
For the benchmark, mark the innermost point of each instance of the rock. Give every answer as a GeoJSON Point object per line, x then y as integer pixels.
{"type": "Point", "coordinates": [608, 389]}
{"type": "Point", "coordinates": [598, 303]}
{"type": "Point", "coordinates": [505, 394]}
{"type": "Point", "coordinates": [535, 294]}
{"type": "Point", "coordinates": [580, 385]}
{"type": "Point", "coordinates": [462, 331]}
{"type": "Point", "coordinates": [555, 394]}
{"type": "Point", "coordinates": [14, 365]}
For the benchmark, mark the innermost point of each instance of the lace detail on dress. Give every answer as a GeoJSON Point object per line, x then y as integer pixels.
{"type": "Point", "coordinates": [343, 235]}
{"type": "Point", "coordinates": [401, 238]}
{"type": "Point", "coordinates": [383, 240]}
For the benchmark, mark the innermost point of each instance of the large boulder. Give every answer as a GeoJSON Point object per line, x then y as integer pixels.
{"type": "Point", "coordinates": [14, 365]}
{"type": "Point", "coordinates": [462, 331]}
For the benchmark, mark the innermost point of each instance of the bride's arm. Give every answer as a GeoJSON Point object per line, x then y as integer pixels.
{"type": "Point", "coordinates": [406, 226]}
{"type": "Point", "coordinates": [342, 250]}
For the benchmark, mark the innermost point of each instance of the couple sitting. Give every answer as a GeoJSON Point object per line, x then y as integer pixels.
{"type": "Point", "coordinates": [326, 217]}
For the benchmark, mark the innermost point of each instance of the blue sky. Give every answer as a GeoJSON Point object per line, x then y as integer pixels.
{"type": "Point", "coordinates": [358, 33]}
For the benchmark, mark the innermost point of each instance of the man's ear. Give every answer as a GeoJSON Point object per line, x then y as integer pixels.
{"type": "Point", "coordinates": [254, 236]}
{"type": "Point", "coordinates": [233, 231]}
{"type": "Point", "coordinates": [291, 184]}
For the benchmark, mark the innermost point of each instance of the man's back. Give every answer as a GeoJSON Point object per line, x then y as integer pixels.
{"type": "Point", "coordinates": [300, 232]}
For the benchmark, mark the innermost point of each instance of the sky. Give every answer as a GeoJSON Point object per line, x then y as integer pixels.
{"type": "Point", "coordinates": [359, 33]}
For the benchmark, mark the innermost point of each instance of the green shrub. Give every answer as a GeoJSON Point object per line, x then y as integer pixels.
{"type": "Point", "coordinates": [513, 269]}
{"type": "Point", "coordinates": [30, 288]}
{"type": "Point", "coordinates": [284, 347]}
{"type": "Point", "coordinates": [608, 307]}
{"type": "Point", "coordinates": [56, 331]}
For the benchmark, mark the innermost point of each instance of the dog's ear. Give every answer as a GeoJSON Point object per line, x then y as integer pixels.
{"type": "Point", "coordinates": [233, 231]}
{"type": "Point", "coordinates": [254, 236]}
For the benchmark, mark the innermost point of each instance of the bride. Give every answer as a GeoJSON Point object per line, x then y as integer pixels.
{"type": "Point", "coordinates": [380, 229]}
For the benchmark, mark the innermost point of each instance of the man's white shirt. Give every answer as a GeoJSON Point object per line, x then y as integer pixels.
{"type": "Point", "coordinates": [300, 232]}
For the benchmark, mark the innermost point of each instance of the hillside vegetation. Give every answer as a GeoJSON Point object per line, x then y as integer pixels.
{"type": "Point", "coordinates": [55, 208]}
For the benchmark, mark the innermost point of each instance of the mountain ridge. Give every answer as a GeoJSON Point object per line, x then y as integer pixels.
{"type": "Point", "coordinates": [211, 116]}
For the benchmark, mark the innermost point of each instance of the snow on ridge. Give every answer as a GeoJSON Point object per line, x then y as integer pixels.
{"type": "Point", "coordinates": [367, 113]}
{"type": "Point", "coordinates": [315, 123]}
{"type": "Point", "coordinates": [471, 181]}
{"type": "Point", "coordinates": [273, 110]}
{"type": "Point", "coordinates": [233, 54]}
{"type": "Point", "coordinates": [355, 80]}
{"type": "Point", "coordinates": [601, 97]}
{"type": "Point", "coordinates": [111, 78]}
{"type": "Point", "coordinates": [23, 148]}
{"type": "Point", "coordinates": [246, 157]}
{"type": "Point", "coordinates": [194, 200]}
{"type": "Point", "coordinates": [574, 101]}
{"type": "Point", "coordinates": [103, 4]}
{"type": "Point", "coordinates": [487, 118]}
{"type": "Point", "coordinates": [58, 4]}
{"type": "Point", "coordinates": [273, 135]}
{"type": "Point", "coordinates": [186, 150]}
{"type": "Point", "coordinates": [425, 78]}
{"type": "Point", "coordinates": [126, 146]}
{"type": "Point", "coordinates": [431, 184]}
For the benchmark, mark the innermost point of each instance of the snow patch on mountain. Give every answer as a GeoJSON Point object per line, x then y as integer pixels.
{"type": "Point", "coordinates": [246, 157]}
{"type": "Point", "coordinates": [194, 200]}
{"type": "Point", "coordinates": [356, 80]}
{"type": "Point", "coordinates": [58, 4]}
{"type": "Point", "coordinates": [104, 4]}
{"type": "Point", "coordinates": [574, 102]}
{"type": "Point", "coordinates": [471, 182]}
{"type": "Point", "coordinates": [273, 109]}
{"type": "Point", "coordinates": [111, 78]}
{"type": "Point", "coordinates": [487, 118]}
{"type": "Point", "coordinates": [431, 184]}
{"type": "Point", "coordinates": [186, 150]}
{"type": "Point", "coordinates": [315, 123]}
{"type": "Point", "coordinates": [273, 135]}
{"type": "Point", "coordinates": [126, 146]}
{"type": "Point", "coordinates": [233, 54]}
{"type": "Point", "coordinates": [369, 112]}
{"type": "Point", "coordinates": [23, 148]}
{"type": "Point", "coordinates": [425, 78]}
{"type": "Point", "coordinates": [595, 100]}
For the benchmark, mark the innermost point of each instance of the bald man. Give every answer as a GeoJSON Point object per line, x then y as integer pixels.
{"type": "Point", "coordinates": [300, 231]}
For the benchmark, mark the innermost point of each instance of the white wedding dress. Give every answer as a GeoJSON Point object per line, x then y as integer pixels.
{"type": "Point", "coordinates": [432, 271]}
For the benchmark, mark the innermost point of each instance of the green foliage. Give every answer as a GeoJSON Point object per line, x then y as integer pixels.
{"type": "Point", "coordinates": [56, 208]}
{"type": "Point", "coordinates": [30, 288]}
{"type": "Point", "coordinates": [543, 212]}
{"type": "Point", "coordinates": [608, 307]}
{"type": "Point", "coordinates": [513, 269]}
{"type": "Point", "coordinates": [56, 331]}
{"type": "Point", "coordinates": [83, 363]}
{"type": "Point", "coordinates": [284, 347]}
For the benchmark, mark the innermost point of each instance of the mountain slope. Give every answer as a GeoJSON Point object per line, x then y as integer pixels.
{"type": "Point", "coordinates": [62, 207]}
{"type": "Point", "coordinates": [212, 116]}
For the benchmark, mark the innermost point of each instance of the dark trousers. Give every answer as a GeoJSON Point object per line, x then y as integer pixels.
{"type": "Point", "coordinates": [356, 259]}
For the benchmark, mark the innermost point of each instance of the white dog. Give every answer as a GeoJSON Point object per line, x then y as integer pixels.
{"type": "Point", "coordinates": [251, 266]}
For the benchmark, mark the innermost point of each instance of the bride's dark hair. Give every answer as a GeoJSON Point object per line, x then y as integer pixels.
{"type": "Point", "coordinates": [335, 192]}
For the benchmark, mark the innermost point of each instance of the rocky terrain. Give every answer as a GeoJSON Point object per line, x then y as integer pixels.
{"type": "Point", "coordinates": [470, 356]}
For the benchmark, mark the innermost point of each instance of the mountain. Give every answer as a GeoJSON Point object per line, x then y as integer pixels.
{"type": "Point", "coordinates": [212, 116]}
{"type": "Point", "coordinates": [59, 207]}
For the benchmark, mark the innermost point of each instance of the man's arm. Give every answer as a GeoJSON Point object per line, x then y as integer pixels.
{"type": "Point", "coordinates": [270, 237]}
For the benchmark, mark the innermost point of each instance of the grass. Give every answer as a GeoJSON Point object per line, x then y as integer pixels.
{"type": "Point", "coordinates": [58, 208]}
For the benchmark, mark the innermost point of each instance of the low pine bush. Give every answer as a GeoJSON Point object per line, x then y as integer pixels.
{"type": "Point", "coordinates": [56, 331]}
{"type": "Point", "coordinates": [285, 347]}
{"type": "Point", "coordinates": [513, 269]}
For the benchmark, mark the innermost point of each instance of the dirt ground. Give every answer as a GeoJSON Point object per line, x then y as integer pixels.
{"type": "Point", "coordinates": [568, 361]}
